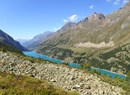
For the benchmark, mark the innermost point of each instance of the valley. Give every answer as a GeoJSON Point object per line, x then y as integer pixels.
{"type": "Point", "coordinates": [96, 40]}
{"type": "Point", "coordinates": [57, 61]}
{"type": "Point", "coordinates": [58, 75]}
{"type": "Point", "coordinates": [88, 53]}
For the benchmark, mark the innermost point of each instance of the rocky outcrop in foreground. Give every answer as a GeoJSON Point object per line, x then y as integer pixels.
{"type": "Point", "coordinates": [59, 75]}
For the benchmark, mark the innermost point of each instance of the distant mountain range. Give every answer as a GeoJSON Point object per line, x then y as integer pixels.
{"type": "Point", "coordinates": [6, 39]}
{"type": "Point", "coordinates": [37, 40]}
{"type": "Point", "coordinates": [22, 40]}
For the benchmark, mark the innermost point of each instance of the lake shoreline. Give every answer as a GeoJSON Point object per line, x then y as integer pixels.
{"type": "Point", "coordinates": [108, 71]}
{"type": "Point", "coordinates": [74, 65]}
{"type": "Point", "coordinates": [64, 77]}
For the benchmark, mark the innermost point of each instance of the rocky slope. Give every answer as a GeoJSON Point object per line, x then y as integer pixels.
{"type": "Point", "coordinates": [59, 75]}
{"type": "Point", "coordinates": [6, 39]}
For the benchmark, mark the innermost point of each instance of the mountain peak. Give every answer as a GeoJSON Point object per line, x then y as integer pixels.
{"type": "Point", "coordinates": [96, 16]}
{"type": "Point", "coordinates": [67, 26]}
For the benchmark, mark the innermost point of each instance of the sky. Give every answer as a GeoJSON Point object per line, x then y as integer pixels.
{"type": "Point", "coordinates": [23, 19]}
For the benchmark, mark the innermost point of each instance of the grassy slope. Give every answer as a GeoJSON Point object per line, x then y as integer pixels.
{"type": "Point", "coordinates": [20, 85]}
{"type": "Point", "coordinates": [5, 48]}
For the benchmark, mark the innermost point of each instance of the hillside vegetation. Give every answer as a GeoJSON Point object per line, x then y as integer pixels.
{"type": "Point", "coordinates": [116, 60]}
{"type": "Point", "coordinates": [11, 84]}
{"type": "Point", "coordinates": [6, 48]}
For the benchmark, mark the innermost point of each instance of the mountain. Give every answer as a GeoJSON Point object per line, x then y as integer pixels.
{"type": "Point", "coordinates": [95, 30]}
{"type": "Point", "coordinates": [38, 39]}
{"type": "Point", "coordinates": [8, 40]}
{"type": "Point", "coordinates": [21, 41]}
{"type": "Point", "coordinates": [67, 26]}
{"type": "Point", "coordinates": [89, 38]}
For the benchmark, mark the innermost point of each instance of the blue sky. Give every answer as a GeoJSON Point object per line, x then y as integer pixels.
{"type": "Point", "coordinates": [23, 19]}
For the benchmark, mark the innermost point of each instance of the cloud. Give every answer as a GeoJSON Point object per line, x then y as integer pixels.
{"type": "Point", "coordinates": [72, 18]}
{"type": "Point", "coordinates": [91, 7]}
{"type": "Point", "coordinates": [65, 20]}
{"type": "Point", "coordinates": [126, 1]}
{"type": "Point", "coordinates": [118, 2]}
{"type": "Point", "coordinates": [55, 29]}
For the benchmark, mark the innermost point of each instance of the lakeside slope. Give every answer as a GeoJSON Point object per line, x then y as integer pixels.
{"type": "Point", "coordinates": [59, 75]}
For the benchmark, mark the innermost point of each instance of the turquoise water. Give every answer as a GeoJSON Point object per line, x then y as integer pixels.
{"type": "Point", "coordinates": [36, 55]}
{"type": "Point", "coordinates": [108, 73]}
{"type": "Point", "coordinates": [102, 71]}
{"type": "Point", "coordinates": [74, 65]}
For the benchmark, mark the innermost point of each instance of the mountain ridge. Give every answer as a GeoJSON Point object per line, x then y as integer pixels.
{"type": "Point", "coordinates": [6, 39]}
{"type": "Point", "coordinates": [36, 40]}
{"type": "Point", "coordinates": [95, 28]}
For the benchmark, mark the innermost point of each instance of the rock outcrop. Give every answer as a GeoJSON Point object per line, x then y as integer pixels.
{"type": "Point", "coordinates": [59, 75]}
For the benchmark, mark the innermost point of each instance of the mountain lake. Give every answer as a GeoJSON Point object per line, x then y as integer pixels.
{"type": "Point", "coordinates": [58, 61]}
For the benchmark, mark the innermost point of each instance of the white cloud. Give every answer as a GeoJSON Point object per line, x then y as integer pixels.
{"type": "Point", "coordinates": [72, 18]}
{"type": "Point", "coordinates": [65, 20]}
{"type": "Point", "coordinates": [126, 1]}
{"type": "Point", "coordinates": [55, 29]}
{"type": "Point", "coordinates": [117, 2]}
{"type": "Point", "coordinates": [91, 7]}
